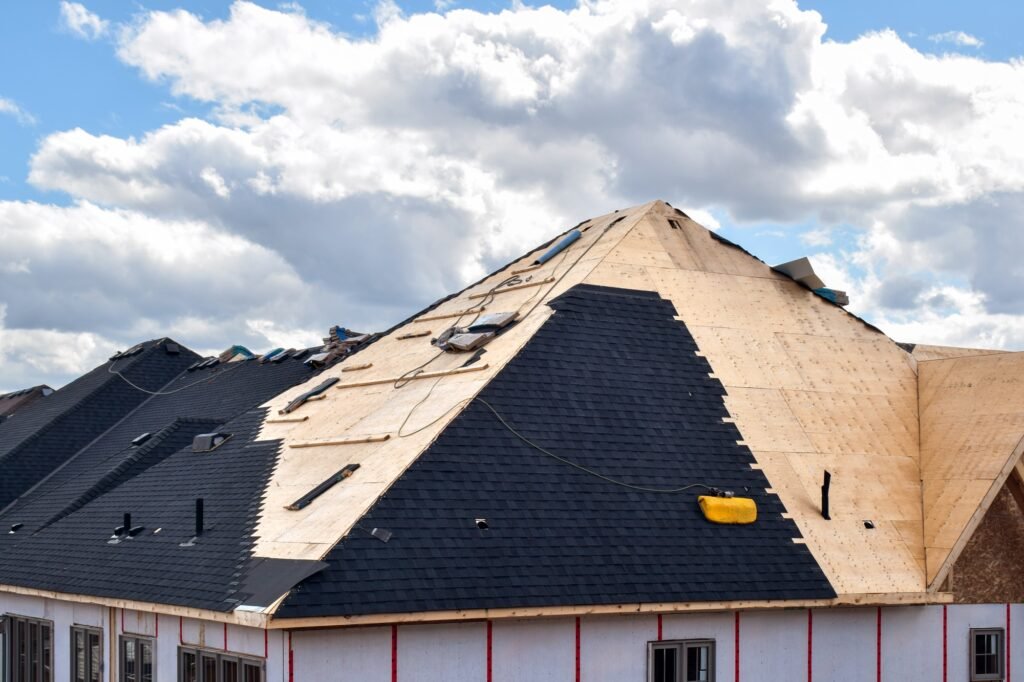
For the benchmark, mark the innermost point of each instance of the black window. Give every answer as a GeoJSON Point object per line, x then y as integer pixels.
{"type": "Point", "coordinates": [137, 659]}
{"type": "Point", "coordinates": [27, 649]}
{"type": "Point", "coordinates": [987, 654]}
{"type": "Point", "coordinates": [86, 654]}
{"type": "Point", "coordinates": [682, 661]}
{"type": "Point", "coordinates": [200, 665]}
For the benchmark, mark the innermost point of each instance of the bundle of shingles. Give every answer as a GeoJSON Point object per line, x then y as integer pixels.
{"type": "Point", "coordinates": [341, 343]}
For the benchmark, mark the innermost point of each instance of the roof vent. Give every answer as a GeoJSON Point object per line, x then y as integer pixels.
{"type": "Point", "coordinates": [207, 442]}
{"type": "Point", "coordinates": [15, 527]}
{"type": "Point", "coordinates": [482, 524]}
{"type": "Point", "coordinates": [172, 348]}
{"type": "Point", "coordinates": [139, 440]}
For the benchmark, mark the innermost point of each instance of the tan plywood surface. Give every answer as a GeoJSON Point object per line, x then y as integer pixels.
{"type": "Point", "coordinates": [370, 420]}
{"type": "Point", "coordinates": [810, 388]}
{"type": "Point", "coordinates": [924, 353]}
{"type": "Point", "coordinates": [972, 424]}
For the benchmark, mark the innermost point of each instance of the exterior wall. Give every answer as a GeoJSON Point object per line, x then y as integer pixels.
{"type": "Point", "coordinates": [168, 631]}
{"type": "Point", "coordinates": [837, 645]}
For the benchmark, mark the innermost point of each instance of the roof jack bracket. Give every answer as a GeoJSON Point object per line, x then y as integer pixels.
{"type": "Point", "coordinates": [824, 496]}
{"type": "Point", "coordinates": [316, 492]}
{"type": "Point", "coordinates": [298, 402]}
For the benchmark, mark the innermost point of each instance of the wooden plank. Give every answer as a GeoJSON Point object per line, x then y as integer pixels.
{"type": "Point", "coordinates": [413, 377]}
{"type": "Point", "coordinates": [457, 313]}
{"type": "Point", "coordinates": [358, 368]}
{"type": "Point", "coordinates": [528, 268]}
{"type": "Point", "coordinates": [339, 440]}
{"type": "Point", "coordinates": [514, 287]}
{"type": "Point", "coordinates": [287, 420]}
{"type": "Point", "coordinates": [413, 335]}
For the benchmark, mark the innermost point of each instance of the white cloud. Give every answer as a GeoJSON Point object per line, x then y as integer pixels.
{"type": "Point", "coordinates": [77, 19]}
{"type": "Point", "coordinates": [368, 176]}
{"type": "Point", "coordinates": [11, 108]}
{"type": "Point", "coordinates": [819, 237]}
{"type": "Point", "coordinates": [957, 38]}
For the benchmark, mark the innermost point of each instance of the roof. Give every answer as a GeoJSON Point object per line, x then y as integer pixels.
{"type": "Point", "coordinates": [399, 444]}
{"type": "Point", "coordinates": [9, 402]}
{"type": "Point", "coordinates": [612, 382]}
{"type": "Point", "coordinates": [70, 516]}
{"type": "Point", "coordinates": [42, 436]}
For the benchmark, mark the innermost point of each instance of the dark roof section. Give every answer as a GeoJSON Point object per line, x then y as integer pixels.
{"type": "Point", "coordinates": [15, 400]}
{"type": "Point", "coordinates": [74, 554]}
{"type": "Point", "coordinates": [612, 382]}
{"type": "Point", "coordinates": [42, 436]}
{"type": "Point", "coordinates": [195, 402]}
{"type": "Point", "coordinates": [69, 517]}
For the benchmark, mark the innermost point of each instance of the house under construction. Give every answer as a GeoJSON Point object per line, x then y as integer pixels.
{"type": "Point", "coordinates": [638, 453]}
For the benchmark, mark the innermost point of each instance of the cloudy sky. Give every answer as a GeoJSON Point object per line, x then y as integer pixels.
{"type": "Point", "coordinates": [254, 172]}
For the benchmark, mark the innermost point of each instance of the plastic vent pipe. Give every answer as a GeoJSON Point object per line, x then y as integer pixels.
{"type": "Point", "coordinates": [559, 247]}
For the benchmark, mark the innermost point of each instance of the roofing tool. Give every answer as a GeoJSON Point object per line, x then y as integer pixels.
{"type": "Point", "coordinates": [559, 247]}
{"type": "Point", "coordinates": [476, 335]}
{"type": "Point", "coordinates": [298, 402]}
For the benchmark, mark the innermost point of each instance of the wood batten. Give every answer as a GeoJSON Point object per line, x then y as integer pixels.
{"type": "Point", "coordinates": [412, 377]}
{"type": "Point", "coordinates": [287, 420]}
{"type": "Point", "coordinates": [358, 368]}
{"type": "Point", "coordinates": [453, 314]}
{"type": "Point", "coordinates": [340, 440]}
{"type": "Point", "coordinates": [514, 287]}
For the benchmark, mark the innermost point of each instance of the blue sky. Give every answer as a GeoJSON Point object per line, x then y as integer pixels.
{"type": "Point", "coordinates": [860, 153]}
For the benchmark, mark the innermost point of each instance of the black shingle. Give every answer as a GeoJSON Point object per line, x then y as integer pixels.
{"type": "Point", "coordinates": [612, 382]}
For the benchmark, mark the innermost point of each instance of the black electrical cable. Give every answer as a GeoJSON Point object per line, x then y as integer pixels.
{"type": "Point", "coordinates": [584, 469]}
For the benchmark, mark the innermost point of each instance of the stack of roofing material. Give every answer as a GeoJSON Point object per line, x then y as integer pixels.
{"type": "Point", "coordinates": [340, 343]}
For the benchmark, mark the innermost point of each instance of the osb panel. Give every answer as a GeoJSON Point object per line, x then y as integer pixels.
{"type": "Point", "coordinates": [811, 389]}
{"type": "Point", "coordinates": [858, 559]}
{"type": "Point", "coordinates": [988, 569]}
{"type": "Point", "coordinates": [405, 414]}
{"type": "Point", "coordinates": [748, 357]}
{"type": "Point", "coordinates": [972, 423]}
{"type": "Point", "coordinates": [857, 424]}
{"type": "Point", "coordinates": [923, 353]}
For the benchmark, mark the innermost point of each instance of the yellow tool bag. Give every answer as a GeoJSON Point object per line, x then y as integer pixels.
{"type": "Point", "coordinates": [736, 510]}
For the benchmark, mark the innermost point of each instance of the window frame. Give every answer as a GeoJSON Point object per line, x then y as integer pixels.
{"type": "Point", "coordinates": [681, 647]}
{"type": "Point", "coordinates": [11, 622]}
{"type": "Point", "coordinates": [121, 655]}
{"type": "Point", "coordinates": [86, 630]}
{"type": "Point", "coordinates": [1001, 655]}
{"type": "Point", "coordinates": [220, 657]}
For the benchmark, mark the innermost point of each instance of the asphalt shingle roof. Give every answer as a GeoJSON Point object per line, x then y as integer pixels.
{"type": "Point", "coordinates": [40, 437]}
{"type": "Point", "coordinates": [613, 383]}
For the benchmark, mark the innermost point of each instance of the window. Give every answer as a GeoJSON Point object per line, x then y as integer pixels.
{"type": "Point", "coordinates": [199, 665]}
{"type": "Point", "coordinates": [27, 649]}
{"type": "Point", "coordinates": [682, 661]}
{"type": "Point", "coordinates": [136, 659]}
{"type": "Point", "coordinates": [987, 654]}
{"type": "Point", "coordinates": [86, 654]}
